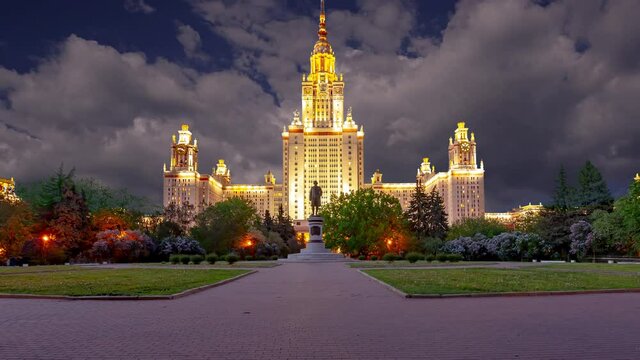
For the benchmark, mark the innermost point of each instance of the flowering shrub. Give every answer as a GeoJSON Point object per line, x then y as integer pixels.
{"type": "Point", "coordinates": [507, 246]}
{"type": "Point", "coordinates": [180, 245]}
{"type": "Point", "coordinates": [581, 238]}
{"type": "Point", "coordinates": [122, 245]}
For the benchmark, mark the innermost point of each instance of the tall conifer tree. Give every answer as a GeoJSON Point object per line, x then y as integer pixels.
{"type": "Point", "coordinates": [562, 194]}
{"type": "Point", "coordinates": [416, 214]}
{"type": "Point", "coordinates": [592, 190]}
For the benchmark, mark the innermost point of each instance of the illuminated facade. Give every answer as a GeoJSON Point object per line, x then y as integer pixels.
{"type": "Point", "coordinates": [323, 143]}
{"type": "Point", "coordinates": [8, 190]}
{"type": "Point", "coordinates": [461, 187]}
{"type": "Point", "coordinates": [183, 184]}
{"type": "Point", "coordinates": [517, 215]}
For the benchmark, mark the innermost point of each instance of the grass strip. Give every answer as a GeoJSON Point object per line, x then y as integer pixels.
{"type": "Point", "coordinates": [113, 282]}
{"type": "Point", "coordinates": [483, 280]}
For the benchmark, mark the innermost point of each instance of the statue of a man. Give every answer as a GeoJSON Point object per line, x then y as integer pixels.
{"type": "Point", "coordinates": [315, 194]}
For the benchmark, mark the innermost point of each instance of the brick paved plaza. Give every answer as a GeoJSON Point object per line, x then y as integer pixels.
{"type": "Point", "coordinates": [322, 311]}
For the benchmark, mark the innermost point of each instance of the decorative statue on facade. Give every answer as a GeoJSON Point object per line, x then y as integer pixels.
{"type": "Point", "coordinates": [315, 194]}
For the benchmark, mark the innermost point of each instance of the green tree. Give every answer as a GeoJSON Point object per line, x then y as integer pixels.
{"type": "Point", "coordinates": [283, 225]}
{"type": "Point", "coordinates": [417, 213]}
{"type": "Point", "coordinates": [562, 193]}
{"type": "Point", "coordinates": [221, 227]}
{"type": "Point", "coordinates": [437, 223]}
{"type": "Point", "coordinates": [629, 209]}
{"type": "Point", "coordinates": [472, 226]}
{"type": "Point", "coordinates": [364, 222]}
{"type": "Point", "coordinates": [592, 190]}
{"type": "Point", "coordinates": [554, 228]}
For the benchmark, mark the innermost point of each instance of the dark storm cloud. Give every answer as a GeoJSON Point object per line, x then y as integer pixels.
{"type": "Point", "coordinates": [539, 85]}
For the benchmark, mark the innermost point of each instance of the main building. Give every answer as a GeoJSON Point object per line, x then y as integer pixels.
{"type": "Point", "coordinates": [323, 143]}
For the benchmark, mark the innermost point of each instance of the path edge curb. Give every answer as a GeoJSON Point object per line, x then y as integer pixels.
{"type": "Point", "coordinates": [135, 298]}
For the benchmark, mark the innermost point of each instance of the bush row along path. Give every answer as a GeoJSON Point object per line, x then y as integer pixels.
{"type": "Point", "coordinates": [322, 311]}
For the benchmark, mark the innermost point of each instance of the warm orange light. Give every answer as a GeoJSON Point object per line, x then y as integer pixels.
{"type": "Point", "coordinates": [46, 238]}
{"type": "Point", "coordinates": [249, 243]}
{"type": "Point", "coordinates": [2, 251]}
{"type": "Point", "coordinates": [389, 242]}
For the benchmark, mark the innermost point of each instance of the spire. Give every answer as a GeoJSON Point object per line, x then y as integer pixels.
{"type": "Point", "coordinates": [322, 32]}
{"type": "Point", "coordinates": [322, 45]}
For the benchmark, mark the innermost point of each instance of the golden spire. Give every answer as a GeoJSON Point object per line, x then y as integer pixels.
{"type": "Point", "coordinates": [322, 32]}
{"type": "Point", "coordinates": [637, 178]}
{"type": "Point", "coordinates": [322, 45]}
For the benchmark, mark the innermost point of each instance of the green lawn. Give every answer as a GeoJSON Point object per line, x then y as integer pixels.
{"type": "Point", "coordinates": [632, 268]}
{"type": "Point", "coordinates": [405, 263]}
{"type": "Point", "coordinates": [475, 280]}
{"type": "Point", "coordinates": [32, 269]}
{"type": "Point", "coordinates": [98, 282]}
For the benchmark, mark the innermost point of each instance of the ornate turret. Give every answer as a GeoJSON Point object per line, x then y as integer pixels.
{"type": "Point", "coordinates": [377, 177]}
{"type": "Point", "coordinates": [462, 151]}
{"type": "Point", "coordinates": [184, 151]}
{"type": "Point", "coordinates": [269, 178]}
{"type": "Point", "coordinates": [222, 172]}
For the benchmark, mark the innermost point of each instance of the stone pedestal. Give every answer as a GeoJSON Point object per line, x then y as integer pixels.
{"type": "Point", "coordinates": [315, 250]}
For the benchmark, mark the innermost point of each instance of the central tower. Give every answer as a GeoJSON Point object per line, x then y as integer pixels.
{"type": "Point", "coordinates": [320, 144]}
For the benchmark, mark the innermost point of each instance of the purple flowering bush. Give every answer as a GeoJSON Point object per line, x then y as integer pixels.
{"type": "Point", "coordinates": [180, 245]}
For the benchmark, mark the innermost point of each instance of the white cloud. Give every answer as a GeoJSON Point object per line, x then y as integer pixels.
{"type": "Point", "coordinates": [191, 42]}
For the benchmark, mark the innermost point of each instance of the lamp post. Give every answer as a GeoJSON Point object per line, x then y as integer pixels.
{"type": "Point", "coordinates": [45, 240]}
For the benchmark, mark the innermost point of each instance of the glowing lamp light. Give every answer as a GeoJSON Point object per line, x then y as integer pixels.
{"type": "Point", "coordinates": [389, 242]}
{"type": "Point", "coordinates": [2, 251]}
{"type": "Point", "coordinates": [45, 238]}
{"type": "Point", "coordinates": [249, 243]}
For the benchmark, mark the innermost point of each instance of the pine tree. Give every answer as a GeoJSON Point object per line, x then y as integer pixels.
{"type": "Point", "coordinates": [437, 223]}
{"type": "Point", "coordinates": [592, 189]}
{"type": "Point", "coordinates": [562, 194]}
{"type": "Point", "coordinates": [416, 213]}
{"type": "Point", "coordinates": [267, 222]}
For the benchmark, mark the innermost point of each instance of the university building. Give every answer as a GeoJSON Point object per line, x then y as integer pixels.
{"type": "Point", "coordinates": [324, 143]}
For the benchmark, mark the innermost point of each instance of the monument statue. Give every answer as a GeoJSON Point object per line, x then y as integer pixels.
{"type": "Point", "coordinates": [315, 194]}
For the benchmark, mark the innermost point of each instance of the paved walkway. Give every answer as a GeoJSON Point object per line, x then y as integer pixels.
{"type": "Point", "coordinates": [322, 311]}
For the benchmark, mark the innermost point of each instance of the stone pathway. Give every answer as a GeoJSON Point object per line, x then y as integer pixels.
{"type": "Point", "coordinates": [322, 311]}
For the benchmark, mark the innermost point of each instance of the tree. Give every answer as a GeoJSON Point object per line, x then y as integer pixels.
{"type": "Point", "coordinates": [221, 227]}
{"type": "Point", "coordinates": [592, 190]}
{"type": "Point", "coordinates": [472, 226]}
{"type": "Point", "coordinates": [69, 222]}
{"type": "Point", "coordinates": [364, 222]}
{"type": "Point", "coordinates": [562, 193]}
{"type": "Point", "coordinates": [417, 212]}
{"type": "Point", "coordinates": [437, 223]}
{"type": "Point", "coordinates": [267, 223]}
{"type": "Point", "coordinates": [16, 227]}
{"type": "Point", "coordinates": [183, 215]}
{"type": "Point", "coordinates": [629, 209]}
{"type": "Point", "coordinates": [42, 195]}
{"type": "Point", "coordinates": [284, 227]}
{"type": "Point", "coordinates": [554, 228]}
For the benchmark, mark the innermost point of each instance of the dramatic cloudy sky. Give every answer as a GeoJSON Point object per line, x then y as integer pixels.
{"type": "Point", "coordinates": [101, 85]}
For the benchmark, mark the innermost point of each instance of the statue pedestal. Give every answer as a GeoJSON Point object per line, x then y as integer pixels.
{"type": "Point", "coordinates": [315, 250]}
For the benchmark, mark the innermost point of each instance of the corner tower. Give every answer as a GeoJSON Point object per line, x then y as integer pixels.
{"type": "Point", "coordinates": [320, 144]}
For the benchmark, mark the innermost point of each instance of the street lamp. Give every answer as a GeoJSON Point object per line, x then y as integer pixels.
{"type": "Point", "coordinates": [45, 240]}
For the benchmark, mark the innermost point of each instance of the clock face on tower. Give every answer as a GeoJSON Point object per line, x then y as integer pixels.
{"type": "Point", "coordinates": [465, 146]}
